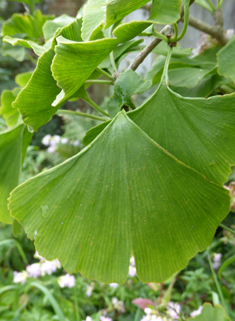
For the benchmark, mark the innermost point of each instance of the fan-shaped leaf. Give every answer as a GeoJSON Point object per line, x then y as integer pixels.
{"type": "Point", "coordinates": [10, 166]}
{"type": "Point", "coordinates": [226, 60]}
{"type": "Point", "coordinates": [209, 313]}
{"type": "Point", "coordinates": [126, 188]}
{"type": "Point", "coordinates": [199, 132]}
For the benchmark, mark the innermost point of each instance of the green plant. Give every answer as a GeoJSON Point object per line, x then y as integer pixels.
{"type": "Point", "coordinates": [149, 182]}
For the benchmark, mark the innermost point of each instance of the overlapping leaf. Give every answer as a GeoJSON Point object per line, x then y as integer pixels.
{"type": "Point", "coordinates": [165, 12]}
{"type": "Point", "coordinates": [115, 189]}
{"type": "Point", "coordinates": [74, 61]}
{"type": "Point", "coordinates": [30, 26]}
{"type": "Point", "coordinates": [226, 60]}
{"type": "Point", "coordinates": [36, 105]}
{"type": "Point", "coordinates": [10, 160]}
{"type": "Point", "coordinates": [209, 313]}
{"type": "Point", "coordinates": [10, 114]}
{"type": "Point", "coordinates": [127, 84]}
{"type": "Point", "coordinates": [199, 132]}
{"type": "Point", "coordinates": [99, 14]}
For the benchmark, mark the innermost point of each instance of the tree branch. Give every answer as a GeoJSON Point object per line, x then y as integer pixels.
{"type": "Point", "coordinates": [167, 31]}
{"type": "Point", "coordinates": [215, 32]}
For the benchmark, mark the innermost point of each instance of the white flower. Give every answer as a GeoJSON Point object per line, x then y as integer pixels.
{"type": "Point", "coordinates": [197, 312]}
{"type": "Point", "coordinates": [118, 305]}
{"type": "Point", "coordinates": [229, 33]}
{"type": "Point", "coordinates": [34, 270]}
{"type": "Point", "coordinates": [88, 319]}
{"type": "Point", "coordinates": [102, 318]}
{"type": "Point", "coordinates": [67, 280]}
{"type": "Point", "coordinates": [55, 140]}
{"type": "Point", "coordinates": [216, 260]}
{"type": "Point", "coordinates": [148, 310]}
{"type": "Point", "coordinates": [89, 290]}
{"type": "Point", "coordinates": [174, 310]}
{"type": "Point", "coordinates": [151, 318]}
{"type": "Point", "coordinates": [113, 285]}
{"type": "Point", "coordinates": [20, 277]}
{"type": "Point", "coordinates": [76, 143]}
{"type": "Point", "coordinates": [64, 140]}
{"type": "Point", "coordinates": [49, 267]}
{"type": "Point", "coordinates": [51, 149]}
{"type": "Point", "coordinates": [132, 271]}
{"type": "Point", "coordinates": [46, 140]}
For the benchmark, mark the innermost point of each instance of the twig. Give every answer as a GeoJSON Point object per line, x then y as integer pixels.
{"type": "Point", "coordinates": [210, 30]}
{"type": "Point", "coordinates": [167, 31]}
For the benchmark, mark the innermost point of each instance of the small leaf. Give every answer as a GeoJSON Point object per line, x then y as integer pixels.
{"type": "Point", "coordinates": [204, 4]}
{"type": "Point", "coordinates": [226, 60]}
{"type": "Point", "coordinates": [10, 160]}
{"type": "Point", "coordinates": [74, 209]}
{"type": "Point", "coordinates": [34, 104]}
{"type": "Point", "coordinates": [92, 133]}
{"type": "Point", "coordinates": [74, 61]}
{"type": "Point", "coordinates": [23, 78]}
{"type": "Point", "coordinates": [178, 51]}
{"type": "Point", "coordinates": [17, 52]}
{"type": "Point", "coordinates": [126, 85]}
{"type": "Point", "coordinates": [209, 313]}
{"type": "Point", "coordinates": [30, 26]}
{"type": "Point", "coordinates": [39, 50]}
{"type": "Point", "coordinates": [129, 30]}
{"type": "Point", "coordinates": [165, 12]}
{"type": "Point", "coordinates": [51, 26]}
{"type": "Point", "coordinates": [10, 114]}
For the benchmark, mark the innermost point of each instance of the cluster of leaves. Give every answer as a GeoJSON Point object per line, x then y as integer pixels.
{"type": "Point", "coordinates": [151, 178]}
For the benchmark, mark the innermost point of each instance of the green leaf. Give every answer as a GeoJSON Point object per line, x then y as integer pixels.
{"type": "Point", "coordinates": [92, 133]}
{"type": "Point", "coordinates": [165, 12]}
{"type": "Point", "coordinates": [188, 77]}
{"type": "Point", "coordinates": [126, 85]}
{"type": "Point", "coordinates": [129, 30]}
{"type": "Point", "coordinates": [99, 14]}
{"type": "Point", "coordinates": [51, 26]}
{"type": "Point", "coordinates": [10, 114]}
{"type": "Point", "coordinates": [178, 51]}
{"type": "Point", "coordinates": [10, 166]}
{"type": "Point", "coordinates": [226, 264]}
{"type": "Point", "coordinates": [204, 4]}
{"type": "Point", "coordinates": [209, 313]}
{"type": "Point", "coordinates": [34, 104]}
{"type": "Point", "coordinates": [118, 9]}
{"type": "Point", "coordinates": [30, 26]}
{"type": "Point", "coordinates": [23, 78]}
{"type": "Point", "coordinates": [42, 78]}
{"type": "Point", "coordinates": [18, 53]}
{"type": "Point", "coordinates": [199, 132]}
{"type": "Point", "coordinates": [74, 61]}
{"type": "Point", "coordinates": [204, 89]}
{"type": "Point", "coordinates": [39, 50]}
{"type": "Point", "coordinates": [127, 188]}
{"type": "Point", "coordinates": [226, 60]}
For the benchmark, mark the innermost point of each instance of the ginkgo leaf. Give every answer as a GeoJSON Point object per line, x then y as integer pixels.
{"type": "Point", "coordinates": [36, 105]}
{"type": "Point", "coordinates": [126, 85]}
{"type": "Point", "coordinates": [38, 49]}
{"type": "Point", "coordinates": [75, 61]}
{"type": "Point", "coordinates": [10, 160]}
{"type": "Point", "coordinates": [226, 60]}
{"type": "Point", "coordinates": [30, 26]}
{"type": "Point", "coordinates": [10, 114]}
{"type": "Point", "coordinates": [33, 104]}
{"type": "Point", "coordinates": [126, 188]}
{"type": "Point", "coordinates": [51, 26]}
{"type": "Point", "coordinates": [199, 132]}
{"type": "Point", "coordinates": [165, 11]}
{"type": "Point", "coordinates": [209, 313]}
{"type": "Point", "coordinates": [99, 14]}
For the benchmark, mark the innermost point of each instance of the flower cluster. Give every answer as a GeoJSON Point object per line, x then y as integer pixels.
{"type": "Point", "coordinates": [52, 141]}
{"type": "Point", "coordinates": [42, 268]}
